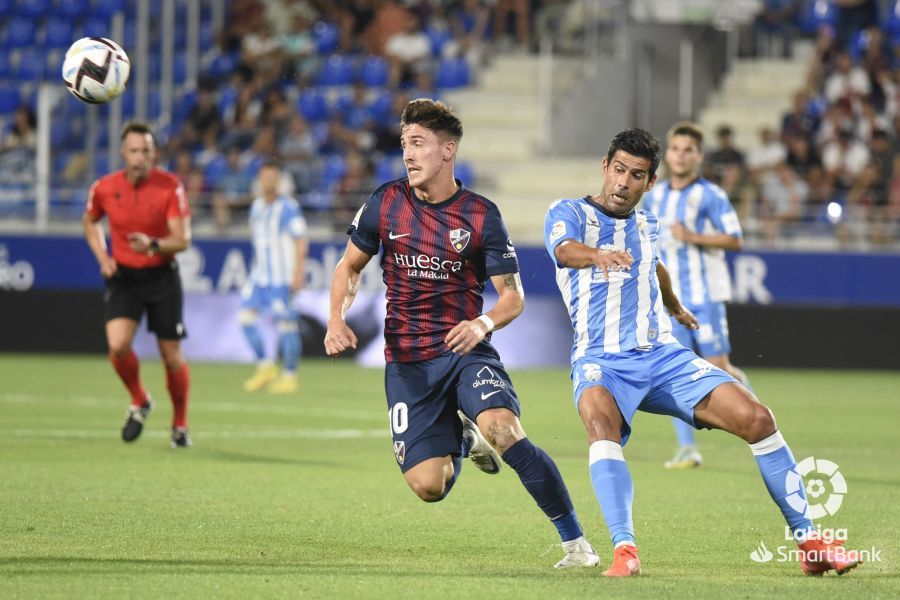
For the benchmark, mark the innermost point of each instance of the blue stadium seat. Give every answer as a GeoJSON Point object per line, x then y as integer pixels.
{"type": "Point", "coordinates": [101, 164]}
{"type": "Point", "coordinates": [183, 105]}
{"type": "Point", "coordinates": [318, 200]}
{"type": "Point", "coordinates": [389, 168]}
{"type": "Point", "coordinates": [20, 32]}
{"type": "Point", "coordinates": [179, 68]}
{"type": "Point", "coordinates": [6, 7]}
{"type": "Point", "coordinates": [380, 107]}
{"type": "Point", "coordinates": [93, 27]}
{"type": "Point", "coordinates": [313, 105]}
{"type": "Point", "coordinates": [105, 9]}
{"type": "Point", "coordinates": [72, 9]}
{"type": "Point", "coordinates": [334, 169]}
{"type": "Point", "coordinates": [452, 74]}
{"type": "Point", "coordinates": [892, 20]}
{"type": "Point", "coordinates": [222, 65]}
{"type": "Point", "coordinates": [374, 71]}
{"type": "Point", "coordinates": [5, 67]}
{"type": "Point", "coordinates": [31, 65]}
{"type": "Point", "coordinates": [10, 99]}
{"type": "Point", "coordinates": [815, 14]}
{"type": "Point", "coordinates": [128, 103]}
{"type": "Point", "coordinates": [337, 70]}
{"type": "Point", "coordinates": [214, 171]}
{"type": "Point", "coordinates": [207, 36]}
{"type": "Point", "coordinates": [326, 36]}
{"type": "Point", "coordinates": [227, 98]}
{"type": "Point", "coordinates": [438, 37]}
{"type": "Point", "coordinates": [58, 33]}
{"type": "Point", "coordinates": [33, 9]}
{"type": "Point", "coordinates": [154, 104]}
{"type": "Point", "coordinates": [464, 172]}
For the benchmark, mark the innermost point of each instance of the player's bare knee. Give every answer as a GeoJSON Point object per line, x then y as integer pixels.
{"type": "Point", "coordinates": [427, 489]}
{"type": "Point", "coordinates": [119, 349]}
{"type": "Point", "coordinates": [762, 424]}
{"type": "Point", "coordinates": [600, 427]}
{"type": "Point", "coordinates": [501, 428]}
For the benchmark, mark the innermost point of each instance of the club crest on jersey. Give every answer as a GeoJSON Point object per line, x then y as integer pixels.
{"type": "Point", "coordinates": [400, 451]}
{"type": "Point", "coordinates": [459, 239]}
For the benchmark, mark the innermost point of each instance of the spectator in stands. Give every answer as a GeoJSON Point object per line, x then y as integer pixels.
{"type": "Point", "coordinates": [353, 188]}
{"type": "Point", "coordinates": [848, 83]}
{"type": "Point", "coordinates": [390, 18]}
{"type": "Point", "coordinates": [354, 18]}
{"type": "Point", "coordinates": [504, 12]}
{"type": "Point", "coordinates": [301, 60]}
{"type": "Point", "coordinates": [774, 22]}
{"type": "Point", "coordinates": [241, 118]}
{"type": "Point", "coordinates": [298, 152]}
{"type": "Point", "coordinates": [277, 112]}
{"type": "Point", "coordinates": [801, 121]}
{"type": "Point", "coordinates": [23, 131]}
{"type": "Point", "coordinates": [203, 118]}
{"type": "Point", "coordinates": [769, 153]}
{"type": "Point", "coordinates": [869, 121]}
{"type": "Point", "coordinates": [471, 31]}
{"type": "Point", "coordinates": [726, 155]}
{"type": "Point", "coordinates": [854, 16]}
{"type": "Point", "coordinates": [844, 160]}
{"type": "Point", "coordinates": [409, 53]}
{"type": "Point", "coordinates": [263, 52]}
{"type": "Point", "coordinates": [232, 189]}
{"type": "Point", "coordinates": [801, 156]}
{"type": "Point", "coordinates": [783, 198]}
{"type": "Point", "coordinates": [837, 118]}
{"type": "Point", "coordinates": [182, 166]}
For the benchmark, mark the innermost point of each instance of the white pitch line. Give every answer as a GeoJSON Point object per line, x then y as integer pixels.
{"type": "Point", "coordinates": [267, 434]}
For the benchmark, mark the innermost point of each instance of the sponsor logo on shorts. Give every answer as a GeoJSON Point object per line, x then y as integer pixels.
{"type": "Point", "coordinates": [592, 372]}
{"type": "Point", "coordinates": [486, 376]}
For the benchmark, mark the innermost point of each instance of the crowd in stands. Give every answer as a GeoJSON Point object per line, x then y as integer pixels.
{"type": "Point", "coordinates": [832, 164]}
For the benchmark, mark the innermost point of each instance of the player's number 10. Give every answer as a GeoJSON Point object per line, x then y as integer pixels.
{"type": "Point", "coordinates": [399, 415]}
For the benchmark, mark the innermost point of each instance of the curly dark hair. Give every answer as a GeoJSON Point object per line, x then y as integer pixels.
{"type": "Point", "coordinates": [637, 142]}
{"type": "Point", "coordinates": [433, 115]}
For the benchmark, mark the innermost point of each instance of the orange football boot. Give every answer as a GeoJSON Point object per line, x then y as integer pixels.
{"type": "Point", "coordinates": [819, 557]}
{"type": "Point", "coordinates": [625, 562]}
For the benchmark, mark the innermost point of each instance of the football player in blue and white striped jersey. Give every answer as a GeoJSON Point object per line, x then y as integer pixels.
{"type": "Point", "coordinates": [697, 225]}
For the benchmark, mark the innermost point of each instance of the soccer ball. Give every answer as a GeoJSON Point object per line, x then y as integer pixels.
{"type": "Point", "coordinates": [95, 70]}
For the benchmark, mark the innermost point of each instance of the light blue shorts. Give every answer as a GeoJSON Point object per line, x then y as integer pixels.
{"type": "Point", "coordinates": [275, 300]}
{"type": "Point", "coordinates": [712, 337]}
{"type": "Point", "coordinates": [665, 380]}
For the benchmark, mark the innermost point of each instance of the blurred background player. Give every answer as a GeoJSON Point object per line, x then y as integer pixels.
{"type": "Point", "coordinates": [696, 225]}
{"type": "Point", "coordinates": [280, 247]}
{"type": "Point", "coordinates": [625, 359]}
{"type": "Point", "coordinates": [448, 392]}
{"type": "Point", "coordinates": [149, 222]}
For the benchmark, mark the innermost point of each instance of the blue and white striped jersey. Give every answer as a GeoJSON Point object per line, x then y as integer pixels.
{"type": "Point", "coordinates": [625, 312]}
{"type": "Point", "coordinates": [274, 228]}
{"type": "Point", "coordinates": [699, 275]}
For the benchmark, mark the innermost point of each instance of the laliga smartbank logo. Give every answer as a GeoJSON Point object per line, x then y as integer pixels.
{"type": "Point", "coordinates": [825, 488]}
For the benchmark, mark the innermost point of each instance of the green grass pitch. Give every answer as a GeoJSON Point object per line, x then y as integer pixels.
{"type": "Point", "coordinates": [300, 496]}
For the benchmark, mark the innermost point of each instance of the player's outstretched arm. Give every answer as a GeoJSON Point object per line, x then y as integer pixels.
{"type": "Point", "coordinates": [510, 304]}
{"type": "Point", "coordinates": [344, 286]}
{"type": "Point", "coordinates": [671, 301]}
{"type": "Point", "coordinates": [576, 255]}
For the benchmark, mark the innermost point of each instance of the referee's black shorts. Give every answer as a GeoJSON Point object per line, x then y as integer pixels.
{"type": "Point", "coordinates": [157, 290]}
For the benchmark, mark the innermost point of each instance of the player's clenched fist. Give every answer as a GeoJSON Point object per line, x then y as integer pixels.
{"type": "Point", "coordinates": [686, 318]}
{"type": "Point", "coordinates": [338, 338]}
{"type": "Point", "coordinates": [612, 260]}
{"type": "Point", "coordinates": [466, 335]}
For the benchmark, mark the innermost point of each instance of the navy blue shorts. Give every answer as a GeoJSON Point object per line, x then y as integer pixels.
{"type": "Point", "coordinates": [423, 398]}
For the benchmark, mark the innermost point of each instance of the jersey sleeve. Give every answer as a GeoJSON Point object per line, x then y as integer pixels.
{"type": "Point", "coordinates": [561, 223]}
{"type": "Point", "coordinates": [499, 253]}
{"type": "Point", "coordinates": [178, 204]}
{"type": "Point", "coordinates": [295, 223]}
{"type": "Point", "coordinates": [722, 214]}
{"type": "Point", "coordinates": [94, 206]}
{"type": "Point", "coordinates": [364, 231]}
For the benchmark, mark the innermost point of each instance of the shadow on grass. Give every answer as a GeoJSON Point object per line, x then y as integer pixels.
{"type": "Point", "coordinates": [243, 457]}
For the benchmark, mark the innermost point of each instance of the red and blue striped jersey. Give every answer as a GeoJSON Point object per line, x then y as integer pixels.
{"type": "Point", "coordinates": [435, 260]}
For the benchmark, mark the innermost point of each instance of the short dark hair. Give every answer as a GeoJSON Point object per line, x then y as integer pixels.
{"type": "Point", "coordinates": [637, 142]}
{"type": "Point", "coordinates": [691, 130]}
{"type": "Point", "coordinates": [433, 115]}
{"type": "Point", "coordinates": [137, 127]}
{"type": "Point", "coordinates": [270, 163]}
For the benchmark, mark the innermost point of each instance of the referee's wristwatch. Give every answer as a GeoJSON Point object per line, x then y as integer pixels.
{"type": "Point", "coordinates": [154, 247]}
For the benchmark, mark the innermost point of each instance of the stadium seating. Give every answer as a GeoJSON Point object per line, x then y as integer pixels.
{"type": "Point", "coordinates": [58, 33]}
{"type": "Point", "coordinates": [326, 36]}
{"type": "Point", "coordinates": [20, 32]}
{"type": "Point", "coordinates": [10, 99]}
{"type": "Point", "coordinates": [34, 9]}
